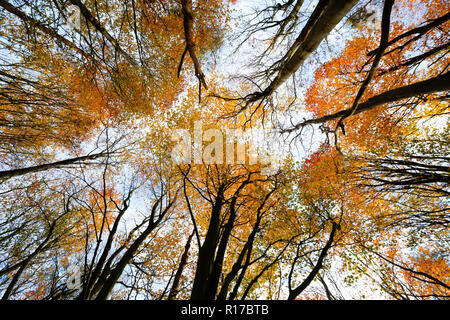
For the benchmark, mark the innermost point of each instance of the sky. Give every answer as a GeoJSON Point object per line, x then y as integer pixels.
{"type": "Point", "coordinates": [229, 62]}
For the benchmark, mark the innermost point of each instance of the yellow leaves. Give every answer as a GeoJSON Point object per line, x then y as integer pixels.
{"type": "Point", "coordinates": [150, 100]}
{"type": "Point", "coordinates": [419, 271]}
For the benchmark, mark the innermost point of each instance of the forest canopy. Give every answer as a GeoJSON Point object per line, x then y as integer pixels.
{"type": "Point", "coordinates": [224, 150]}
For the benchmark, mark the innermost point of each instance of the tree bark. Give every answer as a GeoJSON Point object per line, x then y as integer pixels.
{"type": "Point", "coordinates": [436, 84]}
{"type": "Point", "coordinates": [33, 169]}
{"type": "Point", "coordinates": [207, 251]}
{"type": "Point", "coordinates": [117, 271]}
{"type": "Point", "coordinates": [319, 264]}
{"type": "Point", "coordinates": [326, 15]}
{"type": "Point", "coordinates": [385, 26]}
{"type": "Point", "coordinates": [188, 23]}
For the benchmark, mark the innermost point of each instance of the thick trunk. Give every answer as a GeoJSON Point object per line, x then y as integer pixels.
{"type": "Point", "coordinates": [18, 172]}
{"type": "Point", "coordinates": [86, 293]}
{"type": "Point", "coordinates": [213, 282]}
{"type": "Point", "coordinates": [188, 24]}
{"type": "Point", "coordinates": [207, 252]}
{"type": "Point", "coordinates": [117, 271]}
{"type": "Point", "coordinates": [184, 258]}
{"type": "Point", "coordinates": [246, 252]}
{"type": "Point", "coordinates": [123, 262]}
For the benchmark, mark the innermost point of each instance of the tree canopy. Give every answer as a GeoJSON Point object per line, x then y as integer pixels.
{"type": "Point", "coordinates": [224, 150]}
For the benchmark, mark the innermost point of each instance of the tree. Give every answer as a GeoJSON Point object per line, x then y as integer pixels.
{"type": "Point", "coordinates": [175, 149]}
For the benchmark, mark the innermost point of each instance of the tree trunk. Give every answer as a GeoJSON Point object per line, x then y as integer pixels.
{"type": "Point", "coordinates": [184, 258]}
{"type": "Point", "coordinates": [326, 15]}
{"type": "Point", "coordinates": [436, 84]}
{"type": "Point", "coordinates": [18, 172]}
{"type": "Point", "coordinates": [298, 290]}
{"type": "Point", "coordinates": [207, 252]}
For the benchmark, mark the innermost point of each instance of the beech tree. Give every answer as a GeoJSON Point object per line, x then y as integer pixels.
{"type": "Point", "coordinates": [224, 150]}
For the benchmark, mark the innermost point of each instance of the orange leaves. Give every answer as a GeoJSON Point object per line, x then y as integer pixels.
{"type": "Point", "coordinates": [337, 82]}
{"type": "Point", "coordinates": [162, 28]}
{"type": "Point", "coordinates": [433, 264]}
{"type": "Point", "coordinates": [321, 175]}
{"type": "Point", "coordinates": [50, 99]}
{"type": "Point", "coordinates": [421, 274]}
{"type": "Point", "coordinates": [72, 97]}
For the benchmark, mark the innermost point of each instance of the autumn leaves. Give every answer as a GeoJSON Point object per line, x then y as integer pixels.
{"type": "Point", "coordinates": [110, 161]}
